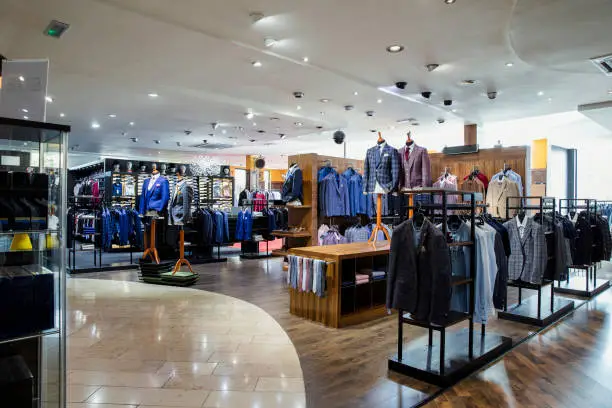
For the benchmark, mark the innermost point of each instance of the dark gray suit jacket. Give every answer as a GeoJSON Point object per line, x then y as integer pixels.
{"type": "Point", "coordinates": [180, 203]}
{"type": "Point", "coordinates": [419, 279]}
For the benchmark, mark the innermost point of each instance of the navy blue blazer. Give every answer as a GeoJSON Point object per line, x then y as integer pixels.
{"type": "Point", "coordinates": [383, 168]}
{"type": "Point", "coordinates": [156, 198]}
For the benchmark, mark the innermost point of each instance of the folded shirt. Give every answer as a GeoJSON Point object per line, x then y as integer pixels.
{"type": "Point", "coordinates": [378, 273]}
{"type": "Point", "coordinates": [361, 282]}
{"type": "Point", "coordinates": [360, 276]}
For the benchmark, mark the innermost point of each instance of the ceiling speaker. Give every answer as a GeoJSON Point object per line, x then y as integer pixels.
{"type": "Point", "coordinates": [260, 163]}
{"type": "Point", "coordinates": [339, 137]}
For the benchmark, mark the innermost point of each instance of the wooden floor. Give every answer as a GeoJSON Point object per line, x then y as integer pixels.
{"type": "Point", "coordinates": [348, 367]}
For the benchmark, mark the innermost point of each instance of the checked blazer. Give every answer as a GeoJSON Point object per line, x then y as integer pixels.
{"type": "Point", "coordinates": [529, 256]}
{"type": "Point", "coordinates": [382, 167]}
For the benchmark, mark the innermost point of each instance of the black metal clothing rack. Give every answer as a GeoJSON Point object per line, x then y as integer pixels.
{"type": "Point", "coordinates": [245, 244]}
{"type": "Point", "coordinates": [454, 364]}
{"type": "Point", "coordinates": [523, 312]}
{"type": "Point", "coordinates": [592, 285]}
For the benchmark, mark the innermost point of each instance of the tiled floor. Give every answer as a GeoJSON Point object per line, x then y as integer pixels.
{"type": "Point", "coordinates": [135, 345]}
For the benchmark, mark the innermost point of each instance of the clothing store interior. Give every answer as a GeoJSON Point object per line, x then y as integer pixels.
{"type": "Point", "coordinates": [305, 204]}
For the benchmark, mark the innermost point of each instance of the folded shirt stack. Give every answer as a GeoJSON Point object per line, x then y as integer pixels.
{"type": "Point", "coordinates": [378, 275]}
{"type": "Point", "coordinates": [361, 279]}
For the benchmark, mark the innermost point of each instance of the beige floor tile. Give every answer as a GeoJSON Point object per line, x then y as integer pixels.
{"type": "Point", "coordinates": [240, 399]}
{"type": "Point", "coordinates": [114, 365]}
{"type": "Point", "coordinates": [282, 356]}
{"type": "Point", "coordinates": [118, 379]}
{"type": "Point", "coordinates": [211, 383]}
{"type": "Point", "coordinates": [80, 393]}
{"type": "Point", "coordinates": [258, 370]}
{"type": "Point", "coordinates": [280, 384]}
{"type": "Point", "coordinates": [148, 396]}
{"type": "Point", "coordinates": [83, 405]}
{"type": "Point", "coordinates": [271, 339]}
{"type": "Point", "coordinates": [187, 368]}
{"type": "Point", "coordinates": [167, 355]}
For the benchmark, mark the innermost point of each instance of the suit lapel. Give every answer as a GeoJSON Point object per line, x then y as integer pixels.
{"type": "Point", "coordinates": [527, 231]}
{"type": "Point", "coordinates": [377, 157]}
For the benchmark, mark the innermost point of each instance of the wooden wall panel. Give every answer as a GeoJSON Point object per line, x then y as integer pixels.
{"type": "Point", "coordinates": [488, 161]}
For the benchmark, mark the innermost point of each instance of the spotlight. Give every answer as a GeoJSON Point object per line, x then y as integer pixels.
{"type": "Point", "coordinates": [282, 135]}
{"type": "Point", "coordinates": [370, 113]}
{"type": "Point", "coordinates": [450, 1]}
{"type": "Point", "coordinates": [395, 48]}
{"type": "Point", "coordinates": [249, 115]}
{"type": "Point", "coordinates": [214, 125]}
{"type": "Point", "coordinates": [431, 67]}
{"type": "Point", "coordinates": [270, 42]}
{"type": "Point", "coordinates": [448, 102]}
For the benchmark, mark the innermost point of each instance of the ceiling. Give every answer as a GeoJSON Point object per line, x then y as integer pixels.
{"type": "Point", "coordinates": [197, 56]}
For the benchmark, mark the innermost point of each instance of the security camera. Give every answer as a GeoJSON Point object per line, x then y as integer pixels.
{"type": "Point", "coordinates": [251, 140]}
{"type": "Point", "coordinates": [298, 95]}
{"type": "Point", "coordinates": [448, 102]}
{"type": "Point", "coordinates": [370, 113]}
{"type": "Point", "coordinates": [205, 141]}
{"type": "Point", "coordinates": [179, 144]}
{"type": "Point", "coordinates": [401, 84]}
{"type": "Point", "coordinates": [187, 132]}
{"type": "Point", "coordinates": [441, 120]}
{"type": "Point", "coordinates": [214, 125]}
{"type": "Point", "coordinates": [123, 134]}
{"type": "Point", "coordinates": [349, 107]}
{"type": "Point", "coordinates": [426, 94]}
{"type": "Point", "coordinates": [492, 95]}
{"type": "Point", "coordinates": [319, 127]}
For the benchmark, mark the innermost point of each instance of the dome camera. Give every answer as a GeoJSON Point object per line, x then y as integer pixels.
{"type": "Point", "coordinates": [492, 95]}
{"type": "Point", "coordinates": [426, 94]}
{"type": "Point", "coordinates": [349, 107]}
{"type": "Point", "coordinates": [401, 84]}
{"type": "Point", "coordinates": [298, 95]}
{"type": "Point", "coordinates": [448, 102]}
{"type": "Point", "coordinates": [441, 120]}
{"type": "Point", "coordinates": [370, 113]}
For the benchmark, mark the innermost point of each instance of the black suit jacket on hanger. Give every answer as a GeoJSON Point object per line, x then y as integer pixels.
{"type": "Point", "coordinates": [419, 279]}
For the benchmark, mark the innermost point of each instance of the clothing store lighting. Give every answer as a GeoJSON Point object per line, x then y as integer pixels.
{"type": "Point", "coordinates": [540, 93]}
{"type": "Point", "coordinates": [355, 93]}
{"type": "Point", "coordinates": [324, 100]}
{"type": "Point", "coordinates": [270, 42]}
{"type": "Point", "coordinates": [224, 131]}
{"type": "Point", "coordinates": [112, 115]}
{"type": "Point", "coordinates": [48, 99]}
{"type": "Point", "coordinates": [299, 124]}
{"type": "Point", "coordinates": [153, 95]}
{"type": "Point", "coordinates": [62, 115]}
{"type": "Point", "coordinates": [131, 123]}
{"type": "Point", "coordinates": [254, 124]}
{"type": "Point", "coordinates": [256, 64]}
{"type": "Point", "coordinates": [305, 59]}
{"type": "Point", "coordinates": [379, 101]}
{"type": "Point", "coordinates": [95, 125]}
{"type": "Point", "coordinates": [249, 115]}
{"type": "Point", "coordinates": [509, 64]}
{"type": "Point", "coordinates": [449, 1]}
{"type": "Point", "coordinates": [26, 118]}
{"type": "Point", "coordinates": [282, 135]}
{"type": "Point", "coordinates": [299, 107]}
{"type": "Point", "coordinates": [24, 110]}
{"type": "Point", "coordinates": [395, 48]}
{"type": "Point", "coordinates": [610, 92]}
{"type": "Point", "coordinates": [21, 78]}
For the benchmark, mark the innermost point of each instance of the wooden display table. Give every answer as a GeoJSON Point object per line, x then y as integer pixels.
{"type": "Point", "coordinates": [345, 302]}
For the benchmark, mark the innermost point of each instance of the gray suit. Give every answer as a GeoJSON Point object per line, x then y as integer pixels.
{"type": "Point", "coordinates": [180, 203]}
{"type": "Point", "coordinates": [528, 259]}
{"type": "Point", "coordinates": [419, 279]}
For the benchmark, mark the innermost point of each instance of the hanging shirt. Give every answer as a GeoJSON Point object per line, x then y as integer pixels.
{"type": "Point", "coordinates": [521, 226]}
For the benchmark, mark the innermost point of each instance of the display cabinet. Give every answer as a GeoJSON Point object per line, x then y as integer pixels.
{"type": "Point", "coordinates": [32, 263]}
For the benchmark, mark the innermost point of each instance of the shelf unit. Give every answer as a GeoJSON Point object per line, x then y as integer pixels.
{"type": "Point", "coordinates": [346, 303]}
{"type": "Point", "coordinates": [445, 363]}
{"type": "Point", "coordinates": [33, 271]}
{"type": "Point", "coordinates": [529, 311]}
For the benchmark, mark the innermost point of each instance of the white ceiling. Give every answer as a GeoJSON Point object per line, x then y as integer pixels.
{"type": "Point", "coordinates": [197, 54]}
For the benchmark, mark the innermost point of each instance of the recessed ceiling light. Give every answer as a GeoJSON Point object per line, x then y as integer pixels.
{"type": "Point", "coordinates": [254, 124]}
{"type": "Point", "coordinates": [509, 64]}
{"type": "Point", "coordinates": [379, 101]}
{"type": "Point", "coordinates": [324, 100]}
{"type": "Point", "coordinates": [112, 115]}
{"type": "Point", "coordinates": [48, 99]}
{"type": "Point", "coordinates": [24, 110]}
{"type": "Point", "coordinates": [270, 42]}
{"type": "Point", "coordinates": [299, 107]}
{"type": "Point", "coordinates": [256, 64]}
{"type": "Point", "coordinates": [299, 124]}
{"type": "Point", "coordinates": [21, 78]}
{"type": "Point", "coordinates": [540, 93]}
{"type": "Point", "coordinates": [355, 93]}
{"type": "Point", "coordinates": [62, 115]}
{"type": "Point", "coordinates": [153, 95]}
{"type": "Point", "coordinates": [395, 48]}
{"type": "Point", "coordinates": [549, 99]}
{"type": "Point", "coordinates": [224, 131]}
{"type": "Point", "coordinates": [305, 59]}
{"type": "Point", "coordinates": [179, 144]}
{"type": "Point", "coordinates": [610, 92]}
{"type": "Point", "coordinates": [322, 113]}
{"type": "Point", "coordinates": [449, 1]}
{"type": "Point", "coordinates": [131, 123]}
{"type": "Point", "coordinates": [454, 110]}
{"type": "Point", "coordinates": [26, 117]}
{"type": "Point", "coordinates": [468, 82]}
{"type": "Point", "coordinates": [249, 115]}
{"type": "Point", "coordinates": [95, 125]}
{"type": "Point", "coordinates": [282, 135]}
{"type": "Point", "coordinates": [274, 118]}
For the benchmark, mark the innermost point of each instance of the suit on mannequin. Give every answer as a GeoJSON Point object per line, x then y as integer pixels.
{"type": "Point", "coordinates": [155, 194]}
{"type": "Point", "coordinates": [381, 169]}
{"type": "Point", "coordinates": [415, 166]}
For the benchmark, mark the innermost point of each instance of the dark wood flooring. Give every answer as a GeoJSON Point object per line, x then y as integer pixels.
{"type": "Point", "coordinates": [348, 367]}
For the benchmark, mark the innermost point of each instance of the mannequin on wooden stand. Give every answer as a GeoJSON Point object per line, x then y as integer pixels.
{"type": "Point", "coordinates": [181, 261]}
{"type": "Point", "coordinates": [150, 249]}
{"type": "Point", "coordinates": [379, 227]}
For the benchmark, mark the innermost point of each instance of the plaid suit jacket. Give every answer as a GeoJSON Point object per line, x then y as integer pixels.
{"type": "Point", "coordinates": [528, 259]}
{"type": "Point", "coordinates": [382, 167]}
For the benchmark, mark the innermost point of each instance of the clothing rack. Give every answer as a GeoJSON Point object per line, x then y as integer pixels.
{"type": "Point", "coordinates": [251, 243]}
{"type": "Point", "coordinates": [523, 311]}
{"type": "Point", "coordinates": [454, 363]}
{"type": "Point", "coordinates": [592, 285]}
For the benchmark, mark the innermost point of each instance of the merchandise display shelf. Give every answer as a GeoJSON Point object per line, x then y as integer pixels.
{"type": "Point", "coordinates": [527, 311]}
{"type": "Point", "coordinates": [291, 234]}
{"type": "Point", "coordinates": [346, 302]}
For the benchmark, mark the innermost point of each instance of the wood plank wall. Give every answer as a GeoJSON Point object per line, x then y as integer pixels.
{"type": "Point", "coordinates": [488, 161]}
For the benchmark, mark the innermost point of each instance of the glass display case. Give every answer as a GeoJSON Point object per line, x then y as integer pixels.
{"type": "Point", "coordinates": [32, 263]}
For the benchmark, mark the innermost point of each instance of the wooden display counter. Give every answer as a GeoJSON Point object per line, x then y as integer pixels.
{"type": "Point", "coordinates": [345, 302]}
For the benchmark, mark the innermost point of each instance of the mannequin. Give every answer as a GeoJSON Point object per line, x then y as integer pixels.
{"type": "Point", "coordinates": [155, 194]}
{"type": "Point", "coordinates": [182, 196]}
{"type": "Point", "coordinates": [415, 165]}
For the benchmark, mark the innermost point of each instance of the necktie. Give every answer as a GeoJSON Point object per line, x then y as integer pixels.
{"type": "Point", "coordinates": [407, 154]}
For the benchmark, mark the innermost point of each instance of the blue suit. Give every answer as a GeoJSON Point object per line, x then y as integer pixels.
{"type": "Point", "coordinates": [157, 197]}
{"type": "Point", "coordinates": [382, 167]}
